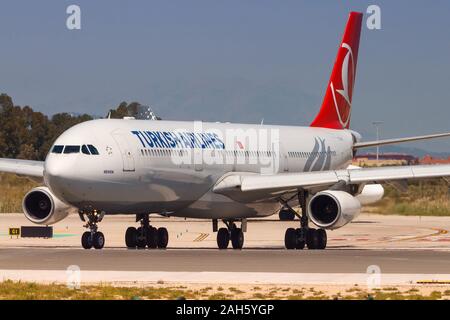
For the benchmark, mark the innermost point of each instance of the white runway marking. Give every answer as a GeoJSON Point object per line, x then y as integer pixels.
{"type": "Point", "coordinates": [144, 277]}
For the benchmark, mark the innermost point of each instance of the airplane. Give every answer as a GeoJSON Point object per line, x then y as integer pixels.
{"type": "Point", "coordinates": [227, 173]}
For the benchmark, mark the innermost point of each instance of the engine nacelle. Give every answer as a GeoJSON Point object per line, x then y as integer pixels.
{"type": "Point", "coordinates": [40, 206]}
{"type": "Point", "coordinates": [371, 193]}
{"type": "Point", "coordinates": [332, 209]}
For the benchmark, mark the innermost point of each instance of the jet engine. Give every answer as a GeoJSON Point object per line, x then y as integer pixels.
{"type": "Point", "coordinates": [371, 193]}
{"type": "Point", "coordinates": [42, 207]}
{"type": "Point", "coordinates": [332, 209]}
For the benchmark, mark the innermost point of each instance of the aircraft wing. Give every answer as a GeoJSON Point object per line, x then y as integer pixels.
{"type": "Point", "coordinates": [259, 185]}
{"type": "Point", "coordinates": [23, 167]}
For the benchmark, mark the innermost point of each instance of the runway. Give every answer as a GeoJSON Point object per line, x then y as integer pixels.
{"type": "Point", "coordinates": [211, 260]}
{"type": "Point", "coordinates": [404, 250]}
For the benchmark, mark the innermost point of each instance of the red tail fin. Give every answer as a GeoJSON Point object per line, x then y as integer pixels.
{"type": "Point", "coordinates": [337, 103]}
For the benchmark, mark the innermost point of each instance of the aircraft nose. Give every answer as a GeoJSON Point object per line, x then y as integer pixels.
{"type": "Point", "coordinates": [55, 168]}
{"type": "Point", "coordinates": [59, 171]}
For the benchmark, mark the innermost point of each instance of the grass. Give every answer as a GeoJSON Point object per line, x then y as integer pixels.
{"type": "Point", "coordinates": [12, 191]}
{"type": "Point", "coordinates": [424, 198]}
{"type": "Point", "coordinates": [11, 290]}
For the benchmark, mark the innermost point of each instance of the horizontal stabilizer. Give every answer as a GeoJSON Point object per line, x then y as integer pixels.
{"type": "Point", "coordinates": [376, 143]}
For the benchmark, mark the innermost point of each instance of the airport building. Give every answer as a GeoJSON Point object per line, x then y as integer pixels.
{"type": "Point", "coordinates": [384, 159]}
{"type": "Point", "coordinates": [431, 160]}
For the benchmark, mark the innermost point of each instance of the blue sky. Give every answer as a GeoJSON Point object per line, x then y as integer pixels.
{"type": "Point", "coordinates": [237, 61]}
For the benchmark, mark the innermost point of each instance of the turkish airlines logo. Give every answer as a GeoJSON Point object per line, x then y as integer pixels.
{"type": "Point", "coordinates": [344, 108]}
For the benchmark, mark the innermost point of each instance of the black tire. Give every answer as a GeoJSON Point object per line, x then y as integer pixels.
{"type": "Point", "coordinates": [163, 238]}
{"type": "Point", "coordinates": [237, 238]}
{"type": "Point", "coordinates": [322, 241]}
{"type": "Point", "coordinates": [300, 241]}
{"type": "Point", "coordinates": [223, 238]}
{"type": "Point", "coordinates": [286, 215]}
{"type": "Point", "coordinates": [152, 238]}
{"type": "Point", "coordinates": [312, 239]}
{"type": "Point", "coordinates": [86, 240]}
{"type": "Point", "coordinates": [98, 240]}
{"type": "Point", "coordinates": [131, 237]}
{"type": "Point", "coordinates": [290, 239]}
{"type": "Point", "coordinates": [141, 238]}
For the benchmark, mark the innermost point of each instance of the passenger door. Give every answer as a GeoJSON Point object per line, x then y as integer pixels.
{"type": "Point", "coordinates": [125, 151]}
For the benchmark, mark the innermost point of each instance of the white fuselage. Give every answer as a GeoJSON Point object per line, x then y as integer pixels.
{"type": "Point", "coordinates": [170, 167]}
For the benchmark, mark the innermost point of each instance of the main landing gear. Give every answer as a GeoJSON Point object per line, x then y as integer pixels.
{"type": "Point", "coordinates": [298, 238]}
{"type": "Point", "coordinates": [230, 233]}
{"type": "Point", "coordinates": [92, 238]}
{"type": "Point", "coordinates": [146, 235]}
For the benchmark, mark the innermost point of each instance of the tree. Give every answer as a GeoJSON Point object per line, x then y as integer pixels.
{"type": "Point", "coordinates": [28, 134]}
{"type": "Point", "coordinates": [124, 110]}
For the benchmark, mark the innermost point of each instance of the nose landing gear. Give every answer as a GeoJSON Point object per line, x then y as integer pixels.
{"type": "Point", "coordinates": [146, 235]}
{"type": "Point", "coordinates": [92, 238]}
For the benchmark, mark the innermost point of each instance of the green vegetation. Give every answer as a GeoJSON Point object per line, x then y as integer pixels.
{"type": "Point", "coordinates": [424, 198]}
{"type": "Point", "coordinates": [31, 291]}
{"type": "Point", "coordinates": [12, 191]}
{"type": "Point", "coordinates": [10, 290]}
{"type": "Point", "coordinates": [27, 134]}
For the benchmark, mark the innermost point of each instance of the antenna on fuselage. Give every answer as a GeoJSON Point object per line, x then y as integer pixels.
{"type": "Point", "coordinates": [146, 113]}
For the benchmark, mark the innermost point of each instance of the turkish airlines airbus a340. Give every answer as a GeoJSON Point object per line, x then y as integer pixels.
{"type": "Point", "coordinates": [224, 172]}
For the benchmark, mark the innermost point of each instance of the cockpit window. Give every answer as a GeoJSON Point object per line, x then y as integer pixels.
{"type": "Point", "coordinates": [71, 149]}
{"type": "Point", "coordinates": [85, 150]}
{"type": "Point", "coordinates": [57, 149]}
{"type": "Point", "coordinates": [93, 149]}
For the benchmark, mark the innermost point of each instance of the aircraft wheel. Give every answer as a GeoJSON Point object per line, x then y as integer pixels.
{"type": "Point", "coordinates": [312, 239]}
{"type": "Point", "coordinates": [131, 237]}
{"type": "Point", "coordinates": [163, 238]}
{"type": "Point", "coordinates": [290, 239]}
{"type": "Point", "coordinates": [223, 238]}
{"type": "Point", "coordinates": [86, 240]}
{"type": "Point", "coordinates": [237, 238]}
{"type": "Point", "coordinates": [98, 240]}
{"type": "Point", "coordinates": [300, 242]}
{"type": "Point", "coordinates": [322, 241]}
{"type": "Point", "coordinates": [286, 215]}
{"type": "Point", "coordinates": [152, 238]}
{"type": "Point", "coordinates": [141, 239]}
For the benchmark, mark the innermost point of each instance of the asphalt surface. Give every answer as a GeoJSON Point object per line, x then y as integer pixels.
{"type": "Point", "coordinates": [213, 260]}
